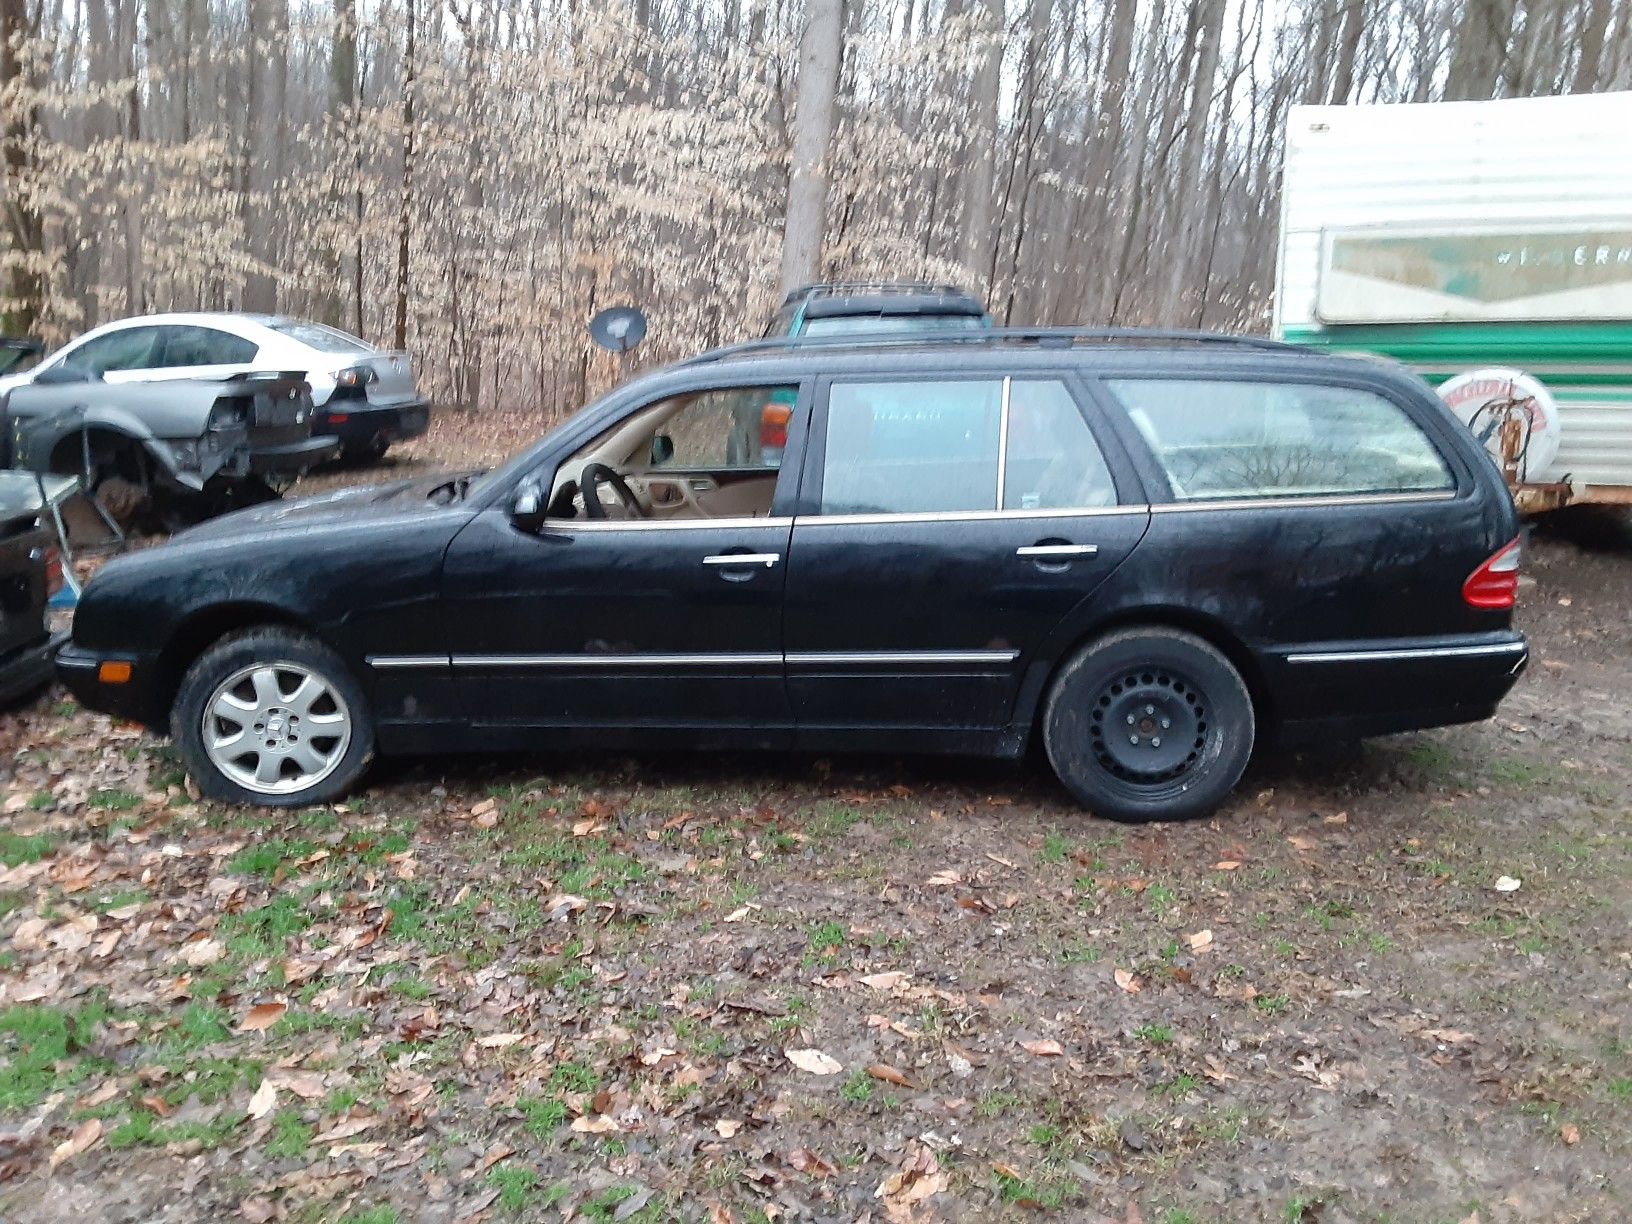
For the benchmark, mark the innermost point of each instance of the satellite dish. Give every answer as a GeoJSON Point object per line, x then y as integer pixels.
{"type": "Point", "coordinates": [617, 329]}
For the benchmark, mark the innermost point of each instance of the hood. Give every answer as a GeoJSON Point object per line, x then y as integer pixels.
{"type": "Point", "coordinates": [365, 503]}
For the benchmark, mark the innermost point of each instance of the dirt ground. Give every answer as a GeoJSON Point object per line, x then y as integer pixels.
{"type": "Point", "coordinates": [1389, 982]}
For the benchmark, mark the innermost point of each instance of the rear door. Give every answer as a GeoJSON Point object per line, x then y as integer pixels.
{"type": "Point", "coordinates": [947, 525]}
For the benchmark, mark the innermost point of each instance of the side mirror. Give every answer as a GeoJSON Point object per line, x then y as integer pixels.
{"type": "Point", "coordinates": [527, 508]}
{"type": "Point", "coordinates": [59, 375]}
{"type": "Point", "coordinates": [662, 449]}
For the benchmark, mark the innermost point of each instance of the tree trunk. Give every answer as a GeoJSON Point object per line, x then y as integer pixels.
{"type": "Point", "coordinates": [24, 232]}
{"type": "Point", "coordinates": [405, 212]}
{"type": "Point", "coordinates": [819, 52]}
{"type": "Point", "coordinates": [1594, 25]}
{"type": "Point", "coordinates": [977, 212]}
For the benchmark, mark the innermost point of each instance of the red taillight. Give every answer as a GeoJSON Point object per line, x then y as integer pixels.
{"type": "Point", "coordinates": [1495, 584]}
{"type": "Point", "coordinates": [773, 424]}
{"type": "Point", "coordinates": [53, 570]}
{"type": "Point", "coordinates": [336, 418]}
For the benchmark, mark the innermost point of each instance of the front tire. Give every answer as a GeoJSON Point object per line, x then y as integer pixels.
{"type": "Point", "coordinates": [1148, 724]}
{"type": "Point", "coordinates": [272, 717]}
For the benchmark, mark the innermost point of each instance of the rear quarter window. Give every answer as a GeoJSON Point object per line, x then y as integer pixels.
{"type": "Point", "coordinates": [1238, 439]}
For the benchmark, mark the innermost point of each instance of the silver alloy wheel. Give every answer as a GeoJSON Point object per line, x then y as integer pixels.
{"type": "Point", "coordinates": [276, 728]}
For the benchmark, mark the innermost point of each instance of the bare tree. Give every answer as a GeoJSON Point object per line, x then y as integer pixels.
{"type": "Point", "coordinates": [806, 223]}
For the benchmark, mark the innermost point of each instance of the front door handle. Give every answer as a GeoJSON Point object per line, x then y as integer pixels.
{"type": "Point", "coordinates": [735, 559]}
{"type": "Point", "coordinates": [1057, 551]}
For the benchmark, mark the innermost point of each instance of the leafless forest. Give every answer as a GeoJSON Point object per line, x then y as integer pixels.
{"type": "Point", "coordinates": [470, 179]}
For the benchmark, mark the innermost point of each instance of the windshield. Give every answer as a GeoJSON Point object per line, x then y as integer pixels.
{"type": "Point", "coordinates": [872, 325]}
{"type": "Point", "coordinates": [316, 336]}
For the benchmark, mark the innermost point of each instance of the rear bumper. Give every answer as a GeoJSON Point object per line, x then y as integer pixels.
{"type": "Point", "coordinates": [356, 422]}
{"type": "Point", "coordinates": [135, 699]}
{"type": "Point", "coordinates": [27, 669]}
{"type": "Point", "coordinates": [292, 458]}
{"type": "Point", "coordinates": [1352, 689]}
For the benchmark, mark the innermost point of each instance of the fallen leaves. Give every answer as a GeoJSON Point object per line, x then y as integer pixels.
{"type": "Point", "coordinates": [265, 1099]}
{"type": "Point", "coordinates": [814, 1062]}
{"type": "Point", "coordinates": [1200, 941]}
{"type": "Point", "coordinates": [884, 981]}
{"type": "Point", "coordinates": [1570, 1134]}
{"type": "Point", "coordinates": [889, 1074]}
{"type": "Point", "coordinates": [262, 1017]}
{"type": "Point", "coordinates": [1127, 980]}
{"type": "Point", "coordinates": [809, 1163]}
{"type": "Point", "coordinates": [919, 1177]}
{"type": "Point", "coordinates": [86, 1136]}
{"type": "Point", "coordinates": [1506, 884]}
{"type": "Point", "coordinates": [1047, 1048]}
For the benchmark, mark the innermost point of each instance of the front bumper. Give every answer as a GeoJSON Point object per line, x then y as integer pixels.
{"type": "Point", "coordinates": [27, 669]}
{"type": "Point", "coordinates": [356, 422]}
{"type": "Point", "coordinates": [135, 699]}
{"type": "Point", "coordinates": [293, 458]}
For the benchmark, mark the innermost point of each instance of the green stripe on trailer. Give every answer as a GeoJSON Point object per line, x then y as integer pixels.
{"type": "Point", "coordinates": [1605, 348]}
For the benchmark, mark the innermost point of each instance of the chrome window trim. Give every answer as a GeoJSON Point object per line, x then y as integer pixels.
{"type": "Point", "coordinates": [1392, 654]}
{"type": "Point", "coordinates": [1317, 500]}
{"type": "Point", "coordinates": [964, 516]}
{"type": "Point", "coordinates": [726, 524]}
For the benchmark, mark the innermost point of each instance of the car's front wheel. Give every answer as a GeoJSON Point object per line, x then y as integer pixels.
{"type": "Point", "coordinates": [272, 717]}
{"type": "Point", "coordinates": [1148, 724]}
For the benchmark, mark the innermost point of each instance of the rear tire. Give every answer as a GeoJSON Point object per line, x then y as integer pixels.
{"type": "Point", "coordinates": [1147, 725]}
{"type": "Point", "coordinates": [274, 718]}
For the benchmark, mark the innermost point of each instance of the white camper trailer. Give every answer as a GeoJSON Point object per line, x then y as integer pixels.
{"type": "Point", "coordinates": [1489, 246]}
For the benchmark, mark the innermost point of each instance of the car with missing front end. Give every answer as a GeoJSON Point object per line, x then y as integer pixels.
{"type": "Point", "coordinates": [1146, 552]}
{"type": "Point", "coordinates": [366, 398]}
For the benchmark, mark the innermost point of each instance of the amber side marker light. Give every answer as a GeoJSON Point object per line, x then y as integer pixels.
{"type": "Point", "coordinates": [114, 673]}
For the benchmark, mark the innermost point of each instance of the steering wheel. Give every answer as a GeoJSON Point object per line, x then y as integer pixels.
{"type": "Point", "coordinates": [590, 481]}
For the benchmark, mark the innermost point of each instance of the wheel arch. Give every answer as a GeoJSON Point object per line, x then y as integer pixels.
{"type": "Point", "coordinates": [203, 629]}
{"type": "Point", "coordinates": [1187, 620]}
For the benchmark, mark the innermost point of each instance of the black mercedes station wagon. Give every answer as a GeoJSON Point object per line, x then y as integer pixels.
{"type": "Point", "coordinates": [1147, 552]}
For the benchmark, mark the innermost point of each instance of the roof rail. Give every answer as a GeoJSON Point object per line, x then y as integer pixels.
{"type": "Point", "coordinates": [1043, 337]}
{"type": "Point", "coordinates": [835, 288]}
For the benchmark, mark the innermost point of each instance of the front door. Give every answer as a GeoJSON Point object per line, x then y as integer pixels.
{"type": "Point", "coordinates": [650, 599]}
{"type": "Point", "coordinates": [946, 527]}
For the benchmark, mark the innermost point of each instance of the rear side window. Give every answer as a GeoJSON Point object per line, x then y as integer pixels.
{"type": "Point", "coordinates": [1218, 439]}
{"type": "Point", "coordinates": [959, 444]}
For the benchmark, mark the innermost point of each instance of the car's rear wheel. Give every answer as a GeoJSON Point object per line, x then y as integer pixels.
{"type": "Point", "coordinates": [272, 717]}
{"type": "Point", "coordinates": [1148, 724]}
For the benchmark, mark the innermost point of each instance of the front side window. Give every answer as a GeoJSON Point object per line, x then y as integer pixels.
{"type": "Point", "coordinates": [1222, 439]}
{"type": "Point", "coordinates": [959, 445]}
{"type": "Point", "coordinates": [712, 453]}
{"type": "Point", "coordinates": [129, 348]}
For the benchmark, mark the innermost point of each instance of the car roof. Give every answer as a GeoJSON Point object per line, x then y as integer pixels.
{"type": "Point", "coordinates": [1124, 351]}
{"type": "Point", "coordinates": [227, 320]}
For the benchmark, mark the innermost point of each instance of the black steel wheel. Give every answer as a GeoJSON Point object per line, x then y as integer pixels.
{"type": "Point", "coordinates": [1148, 724]}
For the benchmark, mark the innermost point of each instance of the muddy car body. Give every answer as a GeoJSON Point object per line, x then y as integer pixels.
{"type": "Point", "coordinates": [1148, 553]}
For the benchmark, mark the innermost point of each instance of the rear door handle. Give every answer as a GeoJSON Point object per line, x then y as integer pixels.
{"type": "Point", "coordinates": [765, 559]}
{"type": "Point", "coordinates": [1057, 550]}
